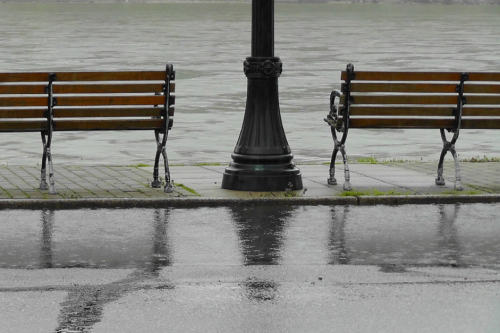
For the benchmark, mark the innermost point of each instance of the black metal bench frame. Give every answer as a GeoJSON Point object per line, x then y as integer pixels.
{"type": "Point", "coordinates": [413, 100]}
{"type": "Point", "coordinates": [96, 95]}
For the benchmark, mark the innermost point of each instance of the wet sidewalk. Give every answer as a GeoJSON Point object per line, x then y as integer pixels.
{"type": "Point", "coordinates": [408, 182]}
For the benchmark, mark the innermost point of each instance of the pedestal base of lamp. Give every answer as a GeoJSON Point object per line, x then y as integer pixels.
{"type": "Point", "coordinates": [262, 175]}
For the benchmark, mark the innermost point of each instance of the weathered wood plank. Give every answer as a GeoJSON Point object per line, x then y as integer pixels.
{"type": "Point", "coordinates": [17, 89]}
{"type": "Point", "coordinates": [481, 123]}
{"type": "Point", "coordinates": [24, 77]}
{"type": "Point", "coordinates": [21, 113]}
{"type": "Point", "coordinates": [112, 76]}
{"type": "Point", "coordinates": [401, 123]}
{"type": "Point", "coordinates": [23, 101]}
{"type": "Point", "coordinates": [403, 76]}
{"type": "Point", "coordinates": [405, 99]}
{"type": "Point", "coordinates": [403, 87]}
{"type": "Point", "coordinates": [482, 88]}
{"type": "Point", "coordinates": [480, 112]}
{"type": "Point", "coordinates": [493, 76]}
{"type": "Point", "coordinates": [106, 112]}
{"type": "Point", "coordinates": [23, 126]}
{"type": "Point", "coordinates": [109, 100]}
{"type": "Point", "coordinates": [107, 88]}
{"type": "Point", "coordinates": [421, 76]}
{"type": "Point", "coordinates": [483, 99]}
{"type": "Point", "coordinates": [102, 125]}
{"type": "Point", "coordinates": [400, 111]}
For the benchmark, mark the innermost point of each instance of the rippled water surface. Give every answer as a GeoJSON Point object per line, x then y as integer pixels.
{"type": "Point", "coordinates": [448, 235]}
{"type": "Point", "coordinates": [207, 44]}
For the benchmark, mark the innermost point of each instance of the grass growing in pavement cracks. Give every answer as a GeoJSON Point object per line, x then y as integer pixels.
{"type": "Point", "coordinates": [140, 165]}
{"type": "Point", "coordinates": [481, 160]}
{"type": "Point", "coordinates": [208, 164]}
{"type": "Point", "coordinates": [370, 160]}
{"type": "Point", "coordinates": [372, 192]}
{"type": "Point", "coordinates": [455, 192]}
{"type": "Point", "coordinates": [190, 190]}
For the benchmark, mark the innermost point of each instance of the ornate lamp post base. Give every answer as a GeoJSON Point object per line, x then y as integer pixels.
{"type": "Point", "coordinates": [262, 173]}
{"type": "Point", "coordinates": [262, 159]}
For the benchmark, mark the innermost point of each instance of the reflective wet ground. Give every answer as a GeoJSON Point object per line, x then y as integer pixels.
{"type": "Point", "coordinates": [389, 236]}
{"type": "Point", "coordinates": [252, 268]}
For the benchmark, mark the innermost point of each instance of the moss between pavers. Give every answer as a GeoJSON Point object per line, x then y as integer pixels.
{"type": "Point", "coordinates": [374, 192]}
{"type": "Point", "coordinates": [190, 190]}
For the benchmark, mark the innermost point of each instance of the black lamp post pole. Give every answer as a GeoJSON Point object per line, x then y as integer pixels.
{"type": "Point", "coordinates": [262, 159]}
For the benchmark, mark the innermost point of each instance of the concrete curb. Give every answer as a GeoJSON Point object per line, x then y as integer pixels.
{"type": "Point", "coordinates": [194, 202]}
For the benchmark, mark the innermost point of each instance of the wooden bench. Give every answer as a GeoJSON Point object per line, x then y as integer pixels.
{"type": "Point", "coordinates": [89, 101]}
{"type": "Point", "coordinates": [427, 100]}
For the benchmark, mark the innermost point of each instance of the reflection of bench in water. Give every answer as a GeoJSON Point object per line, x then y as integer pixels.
{"type": "Point", "coordinates": [88, 101]}
{"type": "Point", "coordinates": [424, 100]}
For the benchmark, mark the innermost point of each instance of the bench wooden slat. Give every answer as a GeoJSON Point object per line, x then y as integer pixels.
{"type": "Point", "coordinates": [405, 99]}
{"type": "Point", "coordinates": [24, 77]}
{"type": "Point", "coordinates": [492, 77]}
{"type": "Point", "coordinates": [481, 123]}
{"type": "Point", "coordinates": [112, 76]}
{"type": "Point", "coordinates": [107, 88]}
{"type": "Point", "coordinates": [401, 123]}
{"type": "Point", "coordinates": [102, 125]}
{"type": "Point", "coordinates": [420, 76]}
{"type": "Point", "coordinates": [110, 100]}
{"type": "Point", "coordinates": [23, 101]}
{"type": "Point", "coordinates": [480, 112]}
{"type": "Point", "coordinates": [14, 89]}
{"type": "Point", "coordinates": [403, 76]}
{"type": "Point", "coordinates": [23, 126]}
{"type": "Point", "coordinates": [400, 111]}
{"type": "Point", "coordinates": [21, 113]}
{"type": "Point", "coordinates": [106, 112]}
{"type": "Point", "coordinates": [482, 88]}
{"type": "Point", "coordinates": [403, 87]}
{"type": "Point", "coordinates": [483, 99]}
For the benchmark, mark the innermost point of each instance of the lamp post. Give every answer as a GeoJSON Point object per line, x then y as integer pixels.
{"type": "Point", "coordinates": [262, 159]}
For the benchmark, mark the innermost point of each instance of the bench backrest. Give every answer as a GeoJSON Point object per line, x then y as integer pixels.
{"type": "Point", "coordinates": [87, 100]}
{"type": "Point", "coordinates": [421, 99]}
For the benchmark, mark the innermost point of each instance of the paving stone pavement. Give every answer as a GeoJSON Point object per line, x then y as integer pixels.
{"type": "Point", "coordinates": [134, 182]}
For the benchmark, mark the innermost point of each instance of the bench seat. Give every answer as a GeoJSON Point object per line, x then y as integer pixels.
{"type": "Point", "coordinates": [448, 101]}
{"type": "Point", "coordinates": [89, 101]}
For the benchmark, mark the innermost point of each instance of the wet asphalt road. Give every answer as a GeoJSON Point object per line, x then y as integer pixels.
{"type": "Point", "coordinates": [248, 268]}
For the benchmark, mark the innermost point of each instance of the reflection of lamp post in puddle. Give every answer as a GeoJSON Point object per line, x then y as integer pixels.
{"type": "Point", "coordinates": [262, 159]}
{"type": "Point", "coordinates": [260, 232]}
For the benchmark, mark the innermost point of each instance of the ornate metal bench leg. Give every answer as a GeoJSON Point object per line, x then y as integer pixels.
{"type": "Point", "coordinates": [332, 180]}
{"type": "Point", "coordinates": [449, 146]}
{"type": "Point", "coordinates": [43, 176]}
{"type": "Point", "coordinates": [156, 183]}
{"type": "Point", "coordinates": [52, 181]}
{"type": "Point", "coordinates": [440, 179]}
{"type": "Point", "coordinates": [168, 184]}
{"type": "Point", "coordinates": [446, 146]}
{"type": "Point", "coordinates": [458, 178]}
{"type": "Point", "coordinates": [347, 184]}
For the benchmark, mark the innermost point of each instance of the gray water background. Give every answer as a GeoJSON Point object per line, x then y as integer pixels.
{"type": "Point", "coordinates": [207, 43]}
